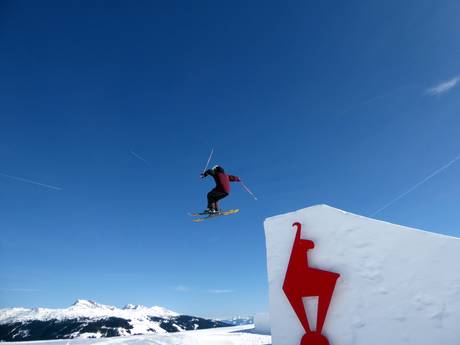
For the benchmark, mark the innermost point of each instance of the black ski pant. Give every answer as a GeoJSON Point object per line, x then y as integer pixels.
{"type": "Point", "coordinates": [214, 196]}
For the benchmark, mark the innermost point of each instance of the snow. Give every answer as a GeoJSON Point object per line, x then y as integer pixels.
{"type": "Point", "coordinates": [239, 335]}
{"type": "Point", "coordinates": [89, 309]}
{"type": "Point", "coordinates": [262, 323]}
{"type": "Point", "coordinates": [398, 285]}
{"type": "Point", "coordinates": [238, 320]}
{"type": "Point", "coordinates": [91, 335]}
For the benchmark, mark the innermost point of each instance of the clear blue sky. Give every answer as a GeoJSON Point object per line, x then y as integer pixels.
{"type": "Point", "coordinates": [345, 103]}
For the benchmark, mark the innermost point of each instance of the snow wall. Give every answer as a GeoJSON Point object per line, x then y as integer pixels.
{"type": "Point", "coordinates": [397, 285]}
{"type": "Point", "coordinates": [262, 323]}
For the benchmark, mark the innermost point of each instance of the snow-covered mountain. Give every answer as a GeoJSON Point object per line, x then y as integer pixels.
{"type": "Point", "coordinates": [90, 319]}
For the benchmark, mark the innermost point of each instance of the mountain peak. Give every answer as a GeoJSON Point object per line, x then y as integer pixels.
{"type": "Point", "coordinates": [84, 303]}
{"type": "Point", "coordinates": [134, 307]}
{"type": "Point", "coordinates": [88, 304]}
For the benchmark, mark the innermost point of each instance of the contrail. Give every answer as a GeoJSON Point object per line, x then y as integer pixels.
{"type": "Point", "coordinates": [436, 172]}
{"type": "Point", "coordinates": [140, 157]}
{"type": "Point", "coordinates": [17, 178]}
{"type": "Point", "coordinates": [375, 98]}
{"type": "Point", "coordinates": [365, 102]}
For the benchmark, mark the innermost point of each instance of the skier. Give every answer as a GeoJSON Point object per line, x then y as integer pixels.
{"type": "Point", "coordinates": [222, 188]}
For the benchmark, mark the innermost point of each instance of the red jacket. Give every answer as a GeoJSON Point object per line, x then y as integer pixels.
{"type": "Point", "coordinates": [222, 180]}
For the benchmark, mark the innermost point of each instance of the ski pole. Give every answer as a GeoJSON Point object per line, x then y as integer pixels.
{"type": "Point", "coordinates": [248, 190]}
{"type": "Point", "coordinates": [209, 159]}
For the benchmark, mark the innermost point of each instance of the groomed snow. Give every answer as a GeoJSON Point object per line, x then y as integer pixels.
{"type": "Point", "coordinates": [239, 335]}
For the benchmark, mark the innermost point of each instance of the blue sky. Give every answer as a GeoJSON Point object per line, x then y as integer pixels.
{"type": "Point", "coordinates": [345, 103]}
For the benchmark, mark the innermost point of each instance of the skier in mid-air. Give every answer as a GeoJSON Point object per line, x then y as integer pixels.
{"type": "Point", "coordinates": [222, 188]}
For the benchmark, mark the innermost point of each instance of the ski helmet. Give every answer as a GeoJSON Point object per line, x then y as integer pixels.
{"type": "Point", "coordinates": [217, 168]}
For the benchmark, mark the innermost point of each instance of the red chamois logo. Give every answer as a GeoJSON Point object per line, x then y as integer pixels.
{"type": "Point", "coordinates": [303, 281]}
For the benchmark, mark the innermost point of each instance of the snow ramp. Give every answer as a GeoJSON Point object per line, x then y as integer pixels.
{"type": "Point", "coordinates": [336, 278]}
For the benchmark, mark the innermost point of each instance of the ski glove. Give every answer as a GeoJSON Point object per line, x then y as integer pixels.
{"type": "Point", "coordinates": [234, 178]}
{"type": "Point", "coordinates": [206, 173]}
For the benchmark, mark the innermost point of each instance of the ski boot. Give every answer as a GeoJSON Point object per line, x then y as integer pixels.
{"type": "Point", "coordinates": [211, 211]}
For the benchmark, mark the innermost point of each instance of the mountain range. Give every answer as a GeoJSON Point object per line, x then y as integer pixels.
{"type": "Point", "coordinates": [88, 319]}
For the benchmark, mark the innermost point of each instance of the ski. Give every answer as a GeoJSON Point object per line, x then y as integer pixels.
{"type": "Point", "coordinates": [196, 214]}
{"type": "Point", "coordinates": [199, 217]}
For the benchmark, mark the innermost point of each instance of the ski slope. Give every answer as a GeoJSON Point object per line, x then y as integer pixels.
{"type": "Point", "coordinates": [239, 335]}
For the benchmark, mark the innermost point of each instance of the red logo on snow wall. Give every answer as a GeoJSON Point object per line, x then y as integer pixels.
{"type": "Point", "coordinates": [303, 281]}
